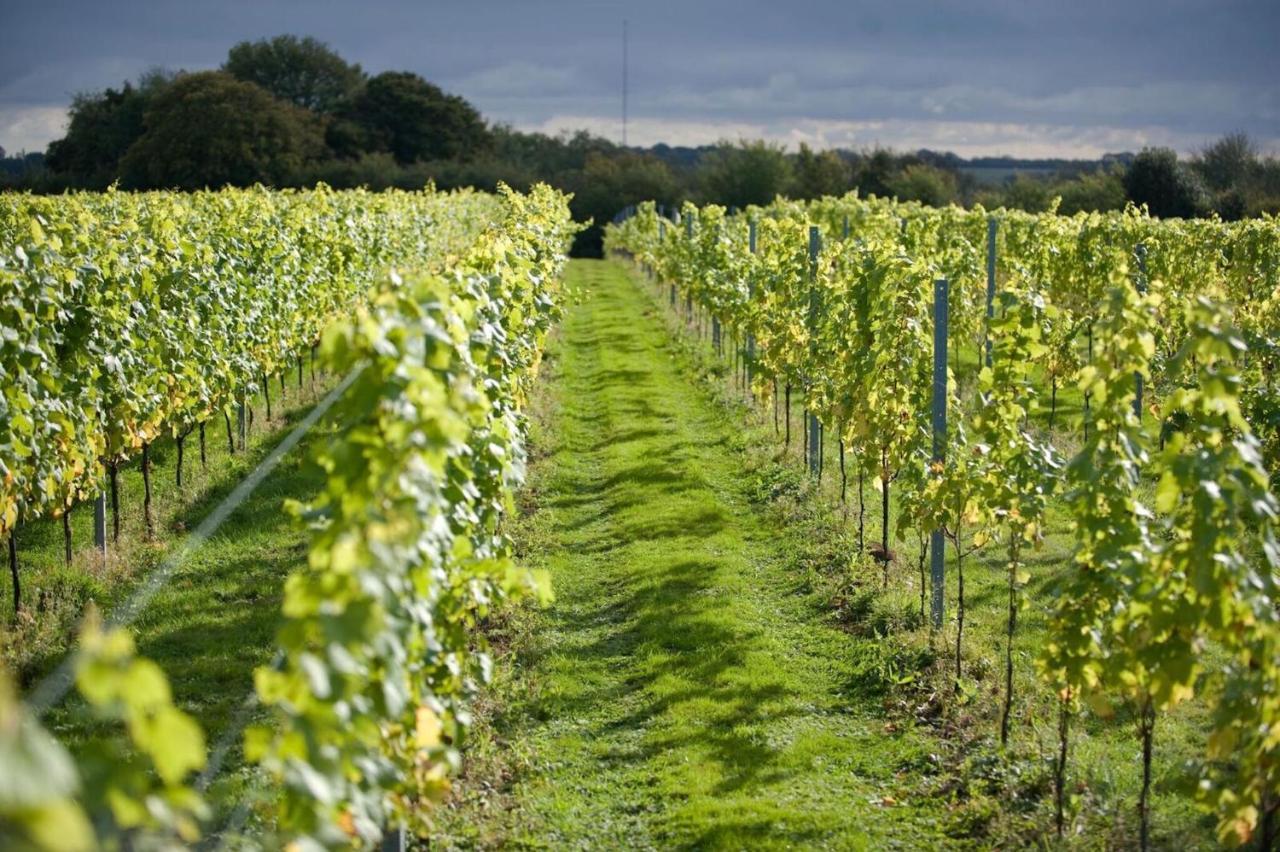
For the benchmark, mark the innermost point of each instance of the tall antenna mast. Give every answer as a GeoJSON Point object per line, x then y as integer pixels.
{"type": "Point", "coordinates": [624, 82]}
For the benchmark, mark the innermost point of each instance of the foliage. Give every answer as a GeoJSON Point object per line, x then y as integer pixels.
{"type": "Point", "coordinates": [1216, 578]}
{"type": "Point", "coordinates": [1227, 162]}
{"type": "Point", "coordinates": [133, 315]}
{"type": "Point", "coordinates": [413, 120]}
{"type": "Point", "coordinates": [1167, 188]}
{"type": "Point", "coordinates": [610, 182]}
{"type": "Point", "coordinates": [411, 540]}
{"type": "Point", "coordinates": [926, 184]}
{"type": "Point", "coordinates": [817, 174]}
{"type": "Point", "coordinates": [1098, 300]}
{"type": "Point", "coordinates": [408, 552]}
{"type": "Point", "coordinates": [208, 130]}
{"type": "Point", "coordinates": [302, 71]}
{"type": "Point", "coordinates": [1098, 192]}
{"type": "Point", "coordinates": [744, 174]}
{"type": "Point", "coordinates": [129, 787]}
{"type": "Point", "coordinates": [101, 128]}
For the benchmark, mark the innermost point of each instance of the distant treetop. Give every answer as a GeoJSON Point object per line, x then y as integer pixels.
{"type": "Point", "coordinates": [303, 71]}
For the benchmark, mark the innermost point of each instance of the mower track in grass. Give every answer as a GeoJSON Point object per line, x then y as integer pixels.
{"type": "Point", "coordinates": [681, 691]}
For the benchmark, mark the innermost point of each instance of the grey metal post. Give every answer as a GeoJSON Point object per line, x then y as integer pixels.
{"type": "Point", "coordinates": [937, 543]}
{"type": "Point", "coordinates": [242, 425]}
{"type": "Point", "coordinates": [688, 297]}
{"type": "Point", "coordinates": [815, 244]}
{"type": "Point", "coordinates": [394, 840]}
{"type": "Point", "coordinates": [1140, 252]}
{"type": "Point", "coordinates": [991, 281]}
{"type": "Point", "coordinates": [751, 296]}
{"type": "Point", "coordinates": [100, 522]}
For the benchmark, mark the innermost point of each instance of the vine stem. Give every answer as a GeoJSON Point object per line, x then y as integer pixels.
{"type": "Point", "coordinates": [146, 492]}
{"type": "Point", "coordinates": [66, 535]}
{"type": "Point", "coordinates": [862, 512]}
{"type": "Point", "coordinates": [1060, 766]}
{"type": "Point", "coordinates": [1053, 402]}
{"type": "Point", "coordinates": [787, 442]}
{"type": "Point", "coordinates": [113, 472]}
{"type": "Point", "coordinates": [776, 427]}
{"type": "Point", "coordinates": [924, 558]}
{"type": "Point", "coordinates": [822, 447]}
{"type": "Point", "coordinates": [1146, 729]}
{"type": "Point", "coordinates": [844, 481]}
{"type": "Point", "coordinates": [804, 433]}
{"type": "Point", "coordinates": [1266, 822]}
{"type": "Point", "coordinates": [13, 572]}
{"type": "Point", "coordinates": [884, 512]}
{"type": "Point", "coordinates": [1008, 650]}
{"type": "Point", "coordinates": [959, 605]}
{"type": "Point", "coordinates": [181, 441]}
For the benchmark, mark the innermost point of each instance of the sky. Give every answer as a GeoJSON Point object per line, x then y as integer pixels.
{"type": "Point", "coordinates": [1072, 78]}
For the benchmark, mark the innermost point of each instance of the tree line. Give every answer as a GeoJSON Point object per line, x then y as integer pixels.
{"type": "Point", "coordinates": [289, 111]}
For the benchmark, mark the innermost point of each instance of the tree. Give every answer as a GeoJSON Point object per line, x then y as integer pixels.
{"type": "Point", "coordinates": [927, 184]}
{"type": "Point", "coordinates": [101, 128]}
{"type": "Point", "coordinates": [1100, 191]}
{"type": "Point", "coordinates": [874, 170]}
{"type": "Point", "coordinates": [303, 71]}
{"type": "Point", "coordinates": [549, 155]}
{"type": "Point", "coordinates": [819, 174]}
{"type": "Point", "coordinates": [401, 113]}
{"type": "Point", "coordinates": [1167, 187]}
{"type": "Point", "coordinates": [1228, 163]}
{"type": "Point", "coordinates": [209, 129]}
{"type": "Point", "coordinates": [607, 184]}
{"type": "Point", "coordinates": [1028, 193]}
{"type": "Point", "coordinates": [744, 174]}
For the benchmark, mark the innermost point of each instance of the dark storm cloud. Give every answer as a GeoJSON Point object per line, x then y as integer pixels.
{"type": "Point", "coordinates": [1010, 75]}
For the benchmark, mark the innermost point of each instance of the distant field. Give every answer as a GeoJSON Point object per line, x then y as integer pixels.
{"type": "Point", "coordinates": [993, 176]}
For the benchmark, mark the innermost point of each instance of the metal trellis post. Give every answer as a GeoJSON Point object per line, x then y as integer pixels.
{"type": "Point", "coordinates": [688, 296]}
{"type": "Point", "coordinates": [937, 543]}
{"type": "Point", "coordinates": [1140, 252]}
{"type": "Point", "coordinates": [991, 282]}
{"type": "Point", "coordinates": [815, 244]}
{"type": "Point", "coordinates": [751, 296]}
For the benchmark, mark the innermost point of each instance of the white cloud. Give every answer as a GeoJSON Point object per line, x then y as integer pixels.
{"type": "Point", "coordinates": [31, 128]}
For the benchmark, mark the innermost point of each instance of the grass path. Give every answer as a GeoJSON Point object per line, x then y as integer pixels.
{"type": "Point", "coordinates": [681, 691]}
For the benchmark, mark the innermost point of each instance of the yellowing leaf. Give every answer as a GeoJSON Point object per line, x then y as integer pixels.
{"type": "Point", "coordinates": [429, 728]}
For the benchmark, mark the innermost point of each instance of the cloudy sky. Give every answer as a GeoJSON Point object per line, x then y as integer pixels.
{"type": "Point", "coordinates": [1023, 77]}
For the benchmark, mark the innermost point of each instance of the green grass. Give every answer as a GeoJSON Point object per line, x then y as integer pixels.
{"type": "Point", "coordinates": [720, 669]}
{"type": "Point", "coordinates": [683, 690]}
